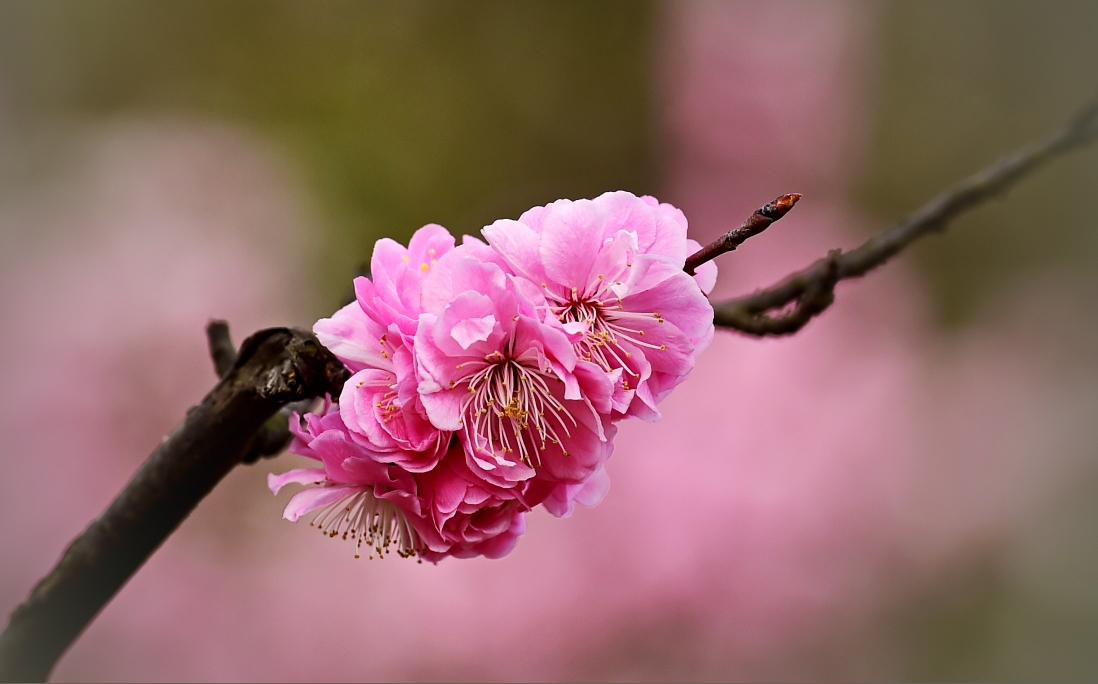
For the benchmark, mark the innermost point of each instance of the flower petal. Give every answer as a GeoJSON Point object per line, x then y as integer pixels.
{"type": "Point", "coordinates": [308, 500]}
{"type": "Point", "coordinates": [469, 330]}
{"type": "Point", "coordinates": [296, 476]}
{"type": "Point", "coordinates": [706, 274]}
{"type": "Point", "coordinates": [518, 245]}
{"type": "Point", "coordinates": [570, 240]}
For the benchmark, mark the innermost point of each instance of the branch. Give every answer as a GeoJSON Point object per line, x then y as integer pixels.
{"type": "Point", "coordinates": [811, 290]}
{"type": "Point", "coordinates": [755, 224]}
{"type": "Point", "coordinates": [275, 435]}
{"type": "Point", "coordinates": [221, 346]}
{"type": "Point", "coordinates": [274, 366]}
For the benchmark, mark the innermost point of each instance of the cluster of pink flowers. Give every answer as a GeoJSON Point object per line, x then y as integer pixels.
{"type": "Point", "coordinates": [488, 378]}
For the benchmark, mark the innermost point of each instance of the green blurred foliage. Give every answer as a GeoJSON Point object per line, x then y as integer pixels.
{"type": "Point", "coordinates": [959, 84]}
{"type": "Point", "coordinates": [400, 113]}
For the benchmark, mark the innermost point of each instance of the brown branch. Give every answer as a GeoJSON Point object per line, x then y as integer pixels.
{"type": "Point", "coordinates": [811, 290]}
{"type": "Point", "coordinates": [275, 435]}
{"type": "Point", "coordinates": [755, 224]}
{"type": "Point", "coordinates": [274, 367]}
{"type": "Point", "coordinates": [221, 346]}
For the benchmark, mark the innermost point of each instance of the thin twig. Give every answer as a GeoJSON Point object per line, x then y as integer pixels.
{"type": "Point", "coordinates": [811, 290]}
{"type": "Point", "coordinates": [755, 224]}
{"type": "Point", "coordinates": [221, 346]}
{"type": "Point", "coordinates": [274, 367]}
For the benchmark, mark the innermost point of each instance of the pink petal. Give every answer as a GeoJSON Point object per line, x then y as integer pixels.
{"type": "Point", "coordinates": [444, 408]}
{"type": "Point", "coordinates": [594, 489]}
{"type": "Point", "coordinates": [535, 217]}
{"type": "Point", "coordinates": [586, 452]}
{"type": "Point", "coordinates": [449, 492]}
{"type": "Point", "coordinates": [495, 470]}
{"type": "Point", "coordinates": [518, 245]}
{"type": "Point", "coordinates": [570, 240]}
{"type": "Point", "coordinates": [467, 331]}
{"type": "Point", "coordinates": [296, 476]}
{"type": "Point", "coordinates": [353, 337]}
{"type": "Point", "coordinates": [503, 544]}
{"type": "Point", "coordinates": [358, 406]}
{"type": "Point", "coordinates": [655, 285]}
{"type": "Point", "coordinates": [308, 500]}
{"type": "Point", "coordinates": [627, 212]}
{"type": "Point", "coordinates": [468, 305]}
{"type": "Point", "coordinates": [429, 244]}
{"type": "Point", "coordinates": [670, 238]}
{"type": "Point", "coordinates": [706, 274]}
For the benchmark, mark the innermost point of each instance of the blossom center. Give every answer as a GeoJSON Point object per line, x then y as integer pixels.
{"type": "Point", "coordinates": [370, 520]}
{"type": "Point", "coordinates": [511, 410]}
{"type": "Point", "coordinates": [608, 325]}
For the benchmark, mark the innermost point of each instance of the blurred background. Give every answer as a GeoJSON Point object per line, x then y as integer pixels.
{"type": "Point", "coordinates": [906, 490]}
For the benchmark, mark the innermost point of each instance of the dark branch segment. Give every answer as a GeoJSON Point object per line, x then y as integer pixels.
{"type": "Point", "coordinates": [755, 224]}
{"type": "Point", "coordinates": [811, 290]}
{"type": "Point", "coordinates": [221, 346]}
{"type": "Point", "coordinates": [275, 435]}
{"type": "Point", "coordinates": [274, 367]}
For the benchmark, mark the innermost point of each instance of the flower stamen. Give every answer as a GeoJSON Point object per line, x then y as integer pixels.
{"type": "Point", "coordinates": [367, 519]}
{"type": "Point", "coordinates": [511, 409]}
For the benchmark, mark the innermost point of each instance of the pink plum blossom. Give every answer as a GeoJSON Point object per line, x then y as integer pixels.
{"type": "Point", "coordinates": [374, 336]}
{"type": "Point", "coordinates": [511, 385]}
{"type": "Point", "coordinates": [488, 377]}
{"type": "Point", "coordinates": [445, 512]}
{"type": "Point", "coordinates": [355, 495]}
{"type": "Point", "coordinates": [611, 270]}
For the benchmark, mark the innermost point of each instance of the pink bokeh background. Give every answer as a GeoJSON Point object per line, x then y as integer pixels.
{"type": "Point", "coordinates": [798, 494]}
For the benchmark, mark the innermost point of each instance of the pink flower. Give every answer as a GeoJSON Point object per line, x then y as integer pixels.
{"type": "Point", "coordinates": [611, 270]}
{"type": "Point", "coordinates": [523, 404]}
{"type": "Point", "coordinates": [487, 377]}
{"type": "Point", "coordinates": [374, 336]}
{"type": "Point", "coordinates": [354, 495]}
{"type": "Point", "coordinates": [446, 512]}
